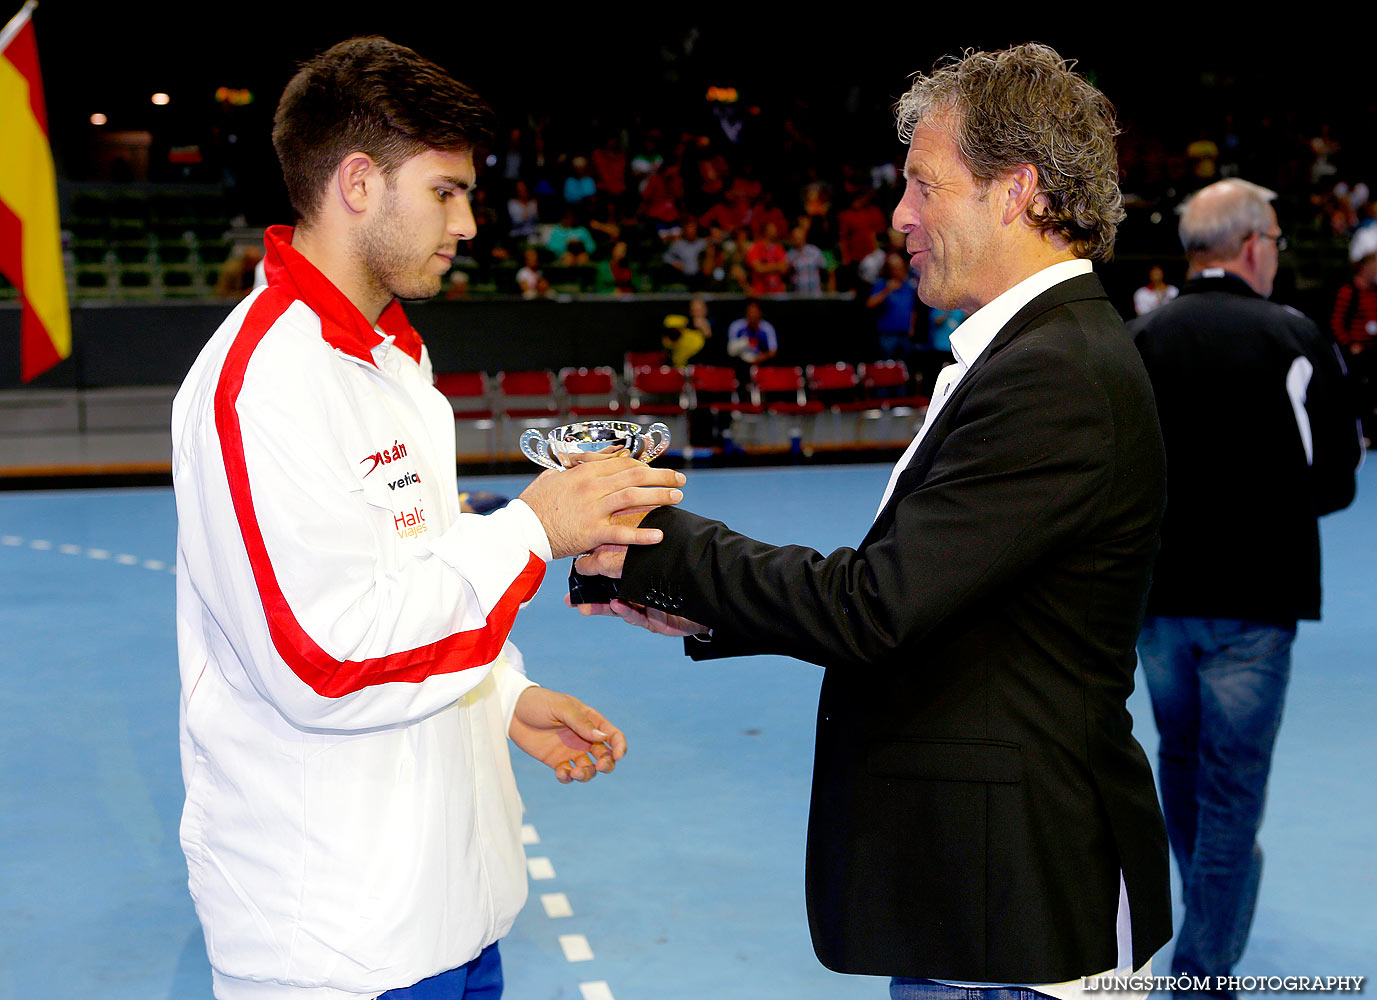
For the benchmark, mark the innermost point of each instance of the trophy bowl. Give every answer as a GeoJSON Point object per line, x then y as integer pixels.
{"type": "Point", "coordinates": [562, 446]}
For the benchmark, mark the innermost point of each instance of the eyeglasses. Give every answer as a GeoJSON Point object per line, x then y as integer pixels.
{"type": "Point", "coordinates": [1278, 239]}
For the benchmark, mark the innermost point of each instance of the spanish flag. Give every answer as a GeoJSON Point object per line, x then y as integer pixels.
{"type": "Point", "coordinates": [30, 237]}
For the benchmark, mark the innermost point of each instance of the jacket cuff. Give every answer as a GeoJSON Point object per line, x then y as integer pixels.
{"type": "Point", "coordinates": [528, 526]}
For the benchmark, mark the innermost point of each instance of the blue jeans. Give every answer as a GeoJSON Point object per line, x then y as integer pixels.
{"type": "Point", "coordinates": [480, 979]}
{"type": "Point", "coordinates": [902, 988]}
{"type": "Point", "coordinates": [1217, 688]}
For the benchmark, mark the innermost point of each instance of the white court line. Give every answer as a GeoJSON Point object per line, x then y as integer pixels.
{"type": "Point", "coordinates": [556, 905]}
{"type": "Point", "coordinates": [576, 948]}
{"type": "Point", "coordinates": [124, 559]}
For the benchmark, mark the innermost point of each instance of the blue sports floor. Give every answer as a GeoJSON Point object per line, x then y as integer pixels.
{"type": "Point", "coordinates": [679, 876]}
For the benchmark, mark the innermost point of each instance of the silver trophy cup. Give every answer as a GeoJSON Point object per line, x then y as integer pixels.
{"type": "Point", "coordinates": [562, 446]}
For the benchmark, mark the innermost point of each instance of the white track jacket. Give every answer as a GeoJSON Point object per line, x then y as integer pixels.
{"type": "Point", "coordinates": [351, 822]}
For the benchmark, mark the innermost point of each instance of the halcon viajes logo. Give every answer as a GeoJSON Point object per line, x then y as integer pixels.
{"type": "Point", "coordinates": [410, 523]}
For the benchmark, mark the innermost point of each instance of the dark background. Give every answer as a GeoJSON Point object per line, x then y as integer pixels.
{"type": "Point", "coordinates": [586, 69]}
{"type": "Point", "coordinates": [582, 73]}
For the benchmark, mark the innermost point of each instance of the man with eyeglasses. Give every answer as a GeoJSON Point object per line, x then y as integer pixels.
{"type": "Point", "coordinates": [1261, 440]}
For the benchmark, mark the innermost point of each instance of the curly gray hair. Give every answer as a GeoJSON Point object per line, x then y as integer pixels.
{"type": "Point", "coordinates": [1026, 104]}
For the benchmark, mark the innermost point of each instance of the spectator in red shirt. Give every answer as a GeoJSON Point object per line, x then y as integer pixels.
{"type": "Point", "coordinates": [730, 214]}
{"type": "Point", "coordinates": [661, 196]}
{"type": "Point", "coordinates": [1354, 322]}
{"type": "Point", "coordinates": [609, 167]}
{"type": "Point", "coordinates": [861, 230]}
{"type": "Point", "coordinates": [766, 213]}
{"type": "Point", "coordinates": [768, 263]}
{"type": "Point", "coordinates": [713, 171]}
{"type": "Point", "coordinates": [855, 226]}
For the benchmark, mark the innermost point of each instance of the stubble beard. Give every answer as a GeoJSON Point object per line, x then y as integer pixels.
{"type": "Point", "coordinates": [933, 293]}
{"type": "Point", "coordinates": [388, 262]}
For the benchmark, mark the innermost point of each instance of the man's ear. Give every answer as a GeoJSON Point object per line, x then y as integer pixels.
{"type": "Point", "coordinates": [356, 179]}
{"type": "Point", "coordinates": [1020, 187]}
{"type": "Point", "coordinates": [1248, 256]}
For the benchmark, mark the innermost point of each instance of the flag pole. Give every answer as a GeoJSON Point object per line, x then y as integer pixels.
{"type": "Point", "coordinates": [17, 23]}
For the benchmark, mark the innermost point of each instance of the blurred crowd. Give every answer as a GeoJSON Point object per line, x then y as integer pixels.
{"type": "Point", "coordinates": [657, 212]}
{"type": "Point", "coordinates": [698, 210]}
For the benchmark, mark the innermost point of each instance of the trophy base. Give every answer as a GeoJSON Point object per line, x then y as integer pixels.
{"type": "Point", "coordinates": [591, 589]}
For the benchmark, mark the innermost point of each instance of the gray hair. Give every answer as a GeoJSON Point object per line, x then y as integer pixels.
{"type": "Point", "coordinates": [1023, 105]}
{"type": "Point", "coordinates": [1217, 219]}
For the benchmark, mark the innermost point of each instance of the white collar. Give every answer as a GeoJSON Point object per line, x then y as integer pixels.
{"type": "Point", "coordinates": [969, 340]}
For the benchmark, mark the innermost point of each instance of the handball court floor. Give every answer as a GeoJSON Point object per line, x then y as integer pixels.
{"type": "Point", "coordinates": [678, 877]}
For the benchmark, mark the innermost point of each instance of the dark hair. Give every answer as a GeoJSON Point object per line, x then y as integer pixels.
{"type": "Point", "coordinates": [374, 96]}
{"type": "Point", "coordinates": [1026, 104]}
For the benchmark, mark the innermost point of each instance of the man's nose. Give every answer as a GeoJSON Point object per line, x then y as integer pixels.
{"type": "Point", "coordinates": [461, 221]}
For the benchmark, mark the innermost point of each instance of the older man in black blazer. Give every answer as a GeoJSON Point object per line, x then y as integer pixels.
{"type": "Point", "coordinates": [981, 811]}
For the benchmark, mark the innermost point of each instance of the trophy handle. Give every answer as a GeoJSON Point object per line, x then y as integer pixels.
{"type": "Point", "coordinates": [659, 434]}
{"type": "Point", "coordinates": [537, 449]}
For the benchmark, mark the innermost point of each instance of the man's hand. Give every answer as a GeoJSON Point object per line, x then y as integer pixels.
{"type": "Point", "coordinates": [605, 560]}
{"type": "Point", "coordinates": [655, 620]}
{"type": "Point", "coordinates": [650, 619]}
{"type": "Point", "coordinates": [576, 506]}
{"type": "Point", "coordinates": [565, 734]}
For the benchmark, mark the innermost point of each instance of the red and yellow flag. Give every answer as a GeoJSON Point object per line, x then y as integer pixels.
{"type": "Point", "coordinates": [30, 236]}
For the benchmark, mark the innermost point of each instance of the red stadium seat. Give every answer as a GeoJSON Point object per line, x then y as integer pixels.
{"type": "Point", "coordinates": [633, 361]}
{"type": "Point", "coordinates": [591, 393]}
{"type": "Point", "coordinates": [661, 393]}
{"type": "Point", "coordinates": [658, 392]}
{"type": "Point", "coordinates": [475, 430]}
{"type": "Point", "coordinates": [837, 387]}
{"type": "Point", "coordinates": [467, 393]}
{"type": "Point", "coordinates": [717, 388]}
{"type": "Point", "coordinates": [525, 399]}
{"type": "Point", "coordinates": [780, 389]}
{"type": "Point", "coordinates": [886, 386]}
{"type": "Point", "coordinates": [527, 394]}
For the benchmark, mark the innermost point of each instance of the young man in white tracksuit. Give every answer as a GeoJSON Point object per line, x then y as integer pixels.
{"type": "Point", "coordinates": [352, 823]}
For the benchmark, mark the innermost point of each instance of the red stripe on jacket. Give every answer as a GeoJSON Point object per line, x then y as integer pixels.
{"type": "Point", "coordinates": [327, 676]}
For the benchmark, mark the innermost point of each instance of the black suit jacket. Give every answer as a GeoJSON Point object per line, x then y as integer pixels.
{"type": "Point", "coordinates": [1241, 537]}
{"type": "Point", "coordinates": [977, 789]}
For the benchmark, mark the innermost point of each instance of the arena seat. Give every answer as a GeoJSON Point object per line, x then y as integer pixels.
{"type": "Point", "coordinates": [633, 361]}
{"type": "Point", "coordinates": [781, 389]}
{"type": "Point", "coordinates": [660, 392]}
{"type": "Point", "coordinates": [716, 391]}
{"type": "Point", "coordinates": [475, 429]}
{"type": "Point", "coordinates": [524, 399]}
{"type": "Point", "coordinates": [893, 412]}
{"type": "Point", "coordinates": [789, 415]}
{"type": "Point", "coordinates": [591, 393]}
{"type": "Point", "coordinates": [886, 384]}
